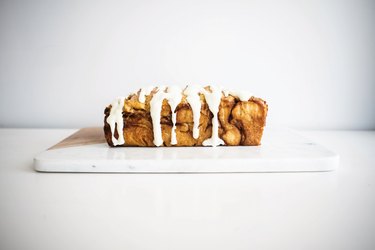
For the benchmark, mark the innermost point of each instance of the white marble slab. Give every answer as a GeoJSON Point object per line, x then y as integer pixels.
{"type": "Point", "coordinates": [282, 150]}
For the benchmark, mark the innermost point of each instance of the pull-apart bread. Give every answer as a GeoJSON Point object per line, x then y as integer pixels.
{"type": "Point", "coordinates": [190, 116]}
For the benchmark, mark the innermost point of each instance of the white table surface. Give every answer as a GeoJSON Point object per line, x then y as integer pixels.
{"type": "Point", "coordinates": [329, 210]}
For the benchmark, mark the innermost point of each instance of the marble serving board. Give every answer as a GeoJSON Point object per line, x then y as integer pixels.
{"type": "Point", "coordinates": [282, 150]}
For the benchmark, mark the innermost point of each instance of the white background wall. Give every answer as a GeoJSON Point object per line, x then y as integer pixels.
{"type": "Point", "coordinates": [62, 62]}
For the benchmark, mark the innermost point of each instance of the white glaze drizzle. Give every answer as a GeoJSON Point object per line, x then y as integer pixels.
{"type": "Point", "coordinates": [213, 99]}
{"type": "Point", "coordinates": [242, 95]}
{"type": "Point", "coordinates": [115, 117]}
{"type": "Point", "coordinates": [174, 98]}
{"type": "Point", "coordinates": [193, 98]}
{"type": "Point", "coordinates": [144, 91]}
{"type": "Point", "coordinates": [155, 110]}
{"type": "Point", "coordinates": [173, 95]}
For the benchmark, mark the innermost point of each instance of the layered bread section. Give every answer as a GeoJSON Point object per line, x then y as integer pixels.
{"type": "Point", "coordinates": [190, 116]}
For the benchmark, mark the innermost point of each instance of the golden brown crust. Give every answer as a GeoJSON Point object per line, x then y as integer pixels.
{"type": "Point", "coordinates": [241, 122]}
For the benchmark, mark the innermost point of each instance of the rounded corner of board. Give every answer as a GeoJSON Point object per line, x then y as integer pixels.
{"type": "Point", "coordinates": [38, 165]}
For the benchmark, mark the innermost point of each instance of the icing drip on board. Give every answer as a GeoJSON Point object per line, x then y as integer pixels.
{"type": "Point", "coordinates": [115, 118]}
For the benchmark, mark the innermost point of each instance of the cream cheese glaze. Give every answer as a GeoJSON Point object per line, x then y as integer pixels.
{"type": "Point", "coordinates": [242, 95]}
{"type": "Point", "coordinates": [213, 99]}
{"type": "Point", "coordinates": [143, 92]}
{"type": "Point", "coordinates": [173, 95]}
{"type": "Point", "coordinates": [115, 118]}
{"type": "Point", "coordinates": [194, 100]}
{"type": "Point", "coordinates": [155, 110]}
